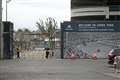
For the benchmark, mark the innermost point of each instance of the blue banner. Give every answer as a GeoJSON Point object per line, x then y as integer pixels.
{"type": "Point", "coordinates": [91, 26]}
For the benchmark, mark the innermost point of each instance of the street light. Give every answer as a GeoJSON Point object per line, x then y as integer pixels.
{"type": "Point", "coordinates": [7, 1]}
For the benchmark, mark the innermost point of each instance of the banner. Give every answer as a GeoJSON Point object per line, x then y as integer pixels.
{"type": "Point", "coordinates": [92, 26]}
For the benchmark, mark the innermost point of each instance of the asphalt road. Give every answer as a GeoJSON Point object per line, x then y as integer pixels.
{"type": "Point", "coordinates": [56, 69]}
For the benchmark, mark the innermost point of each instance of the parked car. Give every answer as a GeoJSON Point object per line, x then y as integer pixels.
{"type": "Point", "coordinates": [112, 54]}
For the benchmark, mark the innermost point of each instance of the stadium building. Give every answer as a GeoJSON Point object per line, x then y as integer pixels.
{"type": "Point", "coordinates": [95, 10]}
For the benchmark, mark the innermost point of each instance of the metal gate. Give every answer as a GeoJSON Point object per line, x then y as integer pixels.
{"type": "Point", "coordinates": [87, 38]}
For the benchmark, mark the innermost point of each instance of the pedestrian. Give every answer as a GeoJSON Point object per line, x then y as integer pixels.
{"type": "Point", "coordinates": [18, 52]}
{"type": "Point", "coordinates": [117, 64]}
{"type": "Point", "coordinates": [47, 53]}
{"type": "Point", "coordinates": [52, 53]}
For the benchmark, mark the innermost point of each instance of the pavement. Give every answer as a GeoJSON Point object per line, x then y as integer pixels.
{"type": "Point", "coordinates": [56, 69]}
{"type": "Point", "coordinates": [33, 54]}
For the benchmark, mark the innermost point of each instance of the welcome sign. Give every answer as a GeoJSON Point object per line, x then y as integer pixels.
{"type": "Point", "coordinates": [91, 26]}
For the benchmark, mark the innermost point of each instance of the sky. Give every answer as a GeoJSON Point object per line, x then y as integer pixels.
{"type": "Point", "coordinates": [25, 13]}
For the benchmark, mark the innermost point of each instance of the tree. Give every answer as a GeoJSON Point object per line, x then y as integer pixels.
{"type": "Point", "coordinates": [48, 29]}
{"type": "Point", "coordinates": [27, 30]}
{"type": "Point", "coordinates": [19, 30]}
{"type": "Point", "coordinates": [41, 26]}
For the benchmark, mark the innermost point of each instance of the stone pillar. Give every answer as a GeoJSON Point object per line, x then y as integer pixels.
{"type": "Point", "coordinates": [107, 13]}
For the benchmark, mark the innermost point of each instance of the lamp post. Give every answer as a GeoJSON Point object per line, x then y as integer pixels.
{"type": "Point", "coordinates": [1, 30]}
{"type": "Point", "coordinates": [7, 1]}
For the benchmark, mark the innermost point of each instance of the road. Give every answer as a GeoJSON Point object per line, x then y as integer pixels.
{"type": "Point", "coordinates": [56, 69]}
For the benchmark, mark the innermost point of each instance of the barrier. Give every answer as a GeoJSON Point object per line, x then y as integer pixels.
{"type": "Point", "coordinates": [86, 36]}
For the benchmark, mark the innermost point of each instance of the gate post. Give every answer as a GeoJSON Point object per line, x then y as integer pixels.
{"type": "Point", "coordinates": [62, 41]}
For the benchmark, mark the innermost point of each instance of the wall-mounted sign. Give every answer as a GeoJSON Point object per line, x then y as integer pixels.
{"type": "Point", "coordinates": [91, 26]}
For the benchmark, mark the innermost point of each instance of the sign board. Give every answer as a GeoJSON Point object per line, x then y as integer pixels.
{"type": "Point", "coordinates": [84, 38]}
{"type": "Point", "coordinates": [92, 26]}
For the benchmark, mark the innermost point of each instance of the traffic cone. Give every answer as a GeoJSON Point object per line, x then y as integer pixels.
{"type": "Point", "coordinates": [94, 56]}
{"type": "Point", "coordinates": [72, 56]}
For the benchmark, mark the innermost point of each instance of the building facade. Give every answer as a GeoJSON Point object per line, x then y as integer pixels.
{"type": "Point", "coordinates": [28, 40]}
{"type": "Point", "coordinates": [95, 10]}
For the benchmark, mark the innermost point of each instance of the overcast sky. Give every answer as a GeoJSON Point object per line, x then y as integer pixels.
{"type": "Point", "coordinates": [25, 13]}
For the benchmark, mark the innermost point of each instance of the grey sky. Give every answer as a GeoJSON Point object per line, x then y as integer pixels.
{"type": "Point", "coordinates": [25, 13]}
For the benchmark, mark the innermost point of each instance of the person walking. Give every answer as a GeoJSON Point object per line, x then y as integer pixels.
{"type": "Point", "coordinates": [18, 52]}
{"type": "Point", "coordinates": [117, 64]}
{"type": "Point", "coordinates": [47, 53]}
{"type": "Point", "coordinates": [52, 53]}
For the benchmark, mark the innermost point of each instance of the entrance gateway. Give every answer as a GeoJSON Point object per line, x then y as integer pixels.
{"type": "Point", "coordinates": [85, 38]}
